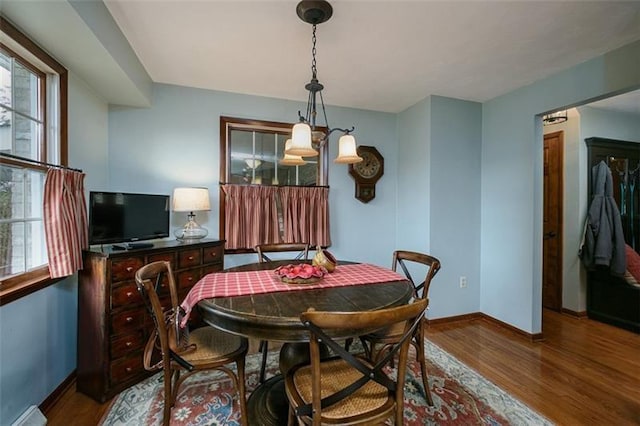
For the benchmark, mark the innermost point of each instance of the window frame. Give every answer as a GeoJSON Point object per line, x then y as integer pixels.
{"type": "Point", "coordinates": [227, 124]}
{"type": "Point", "coordinates": [19, 285]}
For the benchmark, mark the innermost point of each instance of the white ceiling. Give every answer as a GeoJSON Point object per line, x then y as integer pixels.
{"type": "Point", "coordinates": [377, 55]}
{"type": "Point", "coordinates": [628, 102]}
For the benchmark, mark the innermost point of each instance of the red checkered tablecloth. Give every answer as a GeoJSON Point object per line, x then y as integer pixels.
{"type": "Point", "coordinates": [227, 284]}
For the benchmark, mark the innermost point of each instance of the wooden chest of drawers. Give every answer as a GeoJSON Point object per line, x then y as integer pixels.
{"type": "Point", "coordinates": [113, 323]}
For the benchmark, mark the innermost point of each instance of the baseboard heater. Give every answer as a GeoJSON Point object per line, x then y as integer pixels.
{"type": "Point", "coordinates": [31, 417]}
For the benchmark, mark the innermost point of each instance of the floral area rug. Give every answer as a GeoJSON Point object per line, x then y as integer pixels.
{"type": "Point", "coordinates": [461, 397]}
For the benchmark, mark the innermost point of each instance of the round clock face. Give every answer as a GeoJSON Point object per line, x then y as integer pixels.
{"type": "Point", "coordinates": [369, 166]}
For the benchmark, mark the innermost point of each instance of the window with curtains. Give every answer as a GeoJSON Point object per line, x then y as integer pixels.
{"type": "Point", "coordinates": [33, 129]}
{"type": "Point", "coordinates": [264, 199]}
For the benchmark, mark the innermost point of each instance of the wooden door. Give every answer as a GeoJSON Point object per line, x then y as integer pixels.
{"type": "Point", "coordinates": [552, 236]}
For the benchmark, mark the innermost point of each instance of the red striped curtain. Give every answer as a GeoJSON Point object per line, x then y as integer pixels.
{"type": "Point", "coordinates": [255, 215]}
{"type": "Point", "coordinates": [251, 216]}
{"type": "Point", "coordinates": [305, 212]}
{"type": "Point", "coordinates": [65, 221]}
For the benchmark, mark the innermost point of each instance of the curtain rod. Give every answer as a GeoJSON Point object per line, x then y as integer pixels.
{"type": "Point", "coordinates": [42, 163]}
{"type": "Point", "coordinates": [279, 186]}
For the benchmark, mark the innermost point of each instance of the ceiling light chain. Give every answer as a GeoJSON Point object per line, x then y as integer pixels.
{"type": "Point", "coordinates": [314, 69]}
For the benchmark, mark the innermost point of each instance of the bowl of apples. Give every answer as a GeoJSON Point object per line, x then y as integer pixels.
{"type": "Point", "coordinates": [302, 273]}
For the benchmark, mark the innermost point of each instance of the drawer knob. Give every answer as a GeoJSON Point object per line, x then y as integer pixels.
{"type": "Point", "coordinates": [190, 257]}
{"type": "Point", "coordinates": [129, 268]}
{"type": "Point", "coordinates": [128, 344]}
{"type": "Point", "coordinates": [129, 319]}
{"type": "Point", "coordinates": [190, 279]}
{"type": "Point", "coordinates": [213, 254]}
{"type": "Point", "coordinates": [129, 294]}
{"type": "Point", "coordinates": [128, 369]}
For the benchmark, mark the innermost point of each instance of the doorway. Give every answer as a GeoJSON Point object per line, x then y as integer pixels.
{"type": "Point", "coordinates": [552, 221]}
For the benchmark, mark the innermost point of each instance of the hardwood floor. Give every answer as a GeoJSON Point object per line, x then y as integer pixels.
{"type": "Point", "coordinates": [583, 373]}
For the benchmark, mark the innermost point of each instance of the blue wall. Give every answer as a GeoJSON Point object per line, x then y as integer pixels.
{"type": "Point", "coordinates": [438, 207]}
{"type": "Point", "coordinates": [176, 143]}
{"type": "Point", "coordinates": [511, 194]}
{"type": "Point", "coordinates": [38, 349]}
{"type": "Point", "coordinates": [414, 178]}
{"type": "Point", "coordinates": [456, 137]}
{"type": "Point", "coordinates": [38, 333]}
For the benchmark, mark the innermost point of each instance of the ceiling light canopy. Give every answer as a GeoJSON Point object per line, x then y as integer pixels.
{"type": "Point", "coordinates": [307, 136]}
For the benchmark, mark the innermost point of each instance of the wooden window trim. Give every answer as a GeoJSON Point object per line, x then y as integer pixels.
{"type": "Point", "coordinates": [228, 123]}
{"type": "Point", "coordinates": [21, 285]}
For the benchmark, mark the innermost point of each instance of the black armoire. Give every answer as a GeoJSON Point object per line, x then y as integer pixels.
{"type": "Point", "coordinates": [611, 299]}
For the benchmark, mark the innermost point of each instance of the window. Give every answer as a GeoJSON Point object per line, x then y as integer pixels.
{"type": "Point", "coordinates": [32, 131]}
{"type": "Point", "coordinates": [255, 149]}
{"type": "Point", "coordinates": [263, 200]}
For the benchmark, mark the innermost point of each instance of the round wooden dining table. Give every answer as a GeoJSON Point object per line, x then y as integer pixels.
{"type": "Point", "coordinates": [276, 317]}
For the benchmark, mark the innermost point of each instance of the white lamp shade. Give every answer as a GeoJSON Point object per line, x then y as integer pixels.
{"type": "Point", "coordinates": [301, 141]}
{"type": "Point", "coordinates": [347, 153]}
{"type": "Point", "coordinates": [191, 199]}
{"type": "Point", "coordinates": [291, 160]}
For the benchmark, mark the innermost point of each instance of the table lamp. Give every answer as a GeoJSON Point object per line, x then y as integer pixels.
{"type": "Point", "coordinates": [190, 200]}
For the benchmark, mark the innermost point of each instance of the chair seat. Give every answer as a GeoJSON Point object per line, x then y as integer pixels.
{"type": "Point", "coordinates": [337, 374]}
{"type": "Point", "coordinates": [207, 348]}
{"type": "Point", "coordinates": [211, 343]}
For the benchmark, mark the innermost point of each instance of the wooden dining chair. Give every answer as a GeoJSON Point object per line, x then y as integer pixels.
{"type": "Point", "coordinates": [300, 251]}
{"type": "Point", "coordinates": [377, 343]}
{"type": "Point", "coordinates": [205, 348]}
{"type": "Point", "coordinates": [349, 389]}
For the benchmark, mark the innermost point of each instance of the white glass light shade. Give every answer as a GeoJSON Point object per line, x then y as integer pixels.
{"type": "Point", "coordinates": [291, 160]}
{"type": "Point", "coordinates": [347, 153]}
{"type": "Point", "coordinates": [190, 200]}
{"type": "Point", "coordinates": [253, 164]}
{"type": "Point", "coordinates": [301, 141]}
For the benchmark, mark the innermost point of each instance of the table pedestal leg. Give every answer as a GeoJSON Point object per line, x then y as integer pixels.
{"type": "Point", "coordinates": [268, 404]}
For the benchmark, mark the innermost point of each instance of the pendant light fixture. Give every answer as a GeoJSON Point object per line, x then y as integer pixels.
{"type": "Point", "coordinates": [306, 136]}
{"type": "Point", "coordinates": [555, 117]}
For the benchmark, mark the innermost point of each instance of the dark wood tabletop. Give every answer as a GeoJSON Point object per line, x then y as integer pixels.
{"type": "Point", "coordinates": [276, 316]}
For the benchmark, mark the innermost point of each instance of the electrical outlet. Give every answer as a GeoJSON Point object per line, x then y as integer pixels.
{"type": "Point", "coordinates": [463, 282]}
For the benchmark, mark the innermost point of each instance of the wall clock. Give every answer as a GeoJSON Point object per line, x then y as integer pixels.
{"type": "Point", "coordinates": [367, 172]}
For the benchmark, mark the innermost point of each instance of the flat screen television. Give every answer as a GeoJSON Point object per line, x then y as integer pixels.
{"type": "Point", "coordinates": [116, 217]}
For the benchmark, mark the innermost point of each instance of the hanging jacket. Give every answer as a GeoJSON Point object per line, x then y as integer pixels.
{"type": "Point", "coordinates": [604, 238]}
